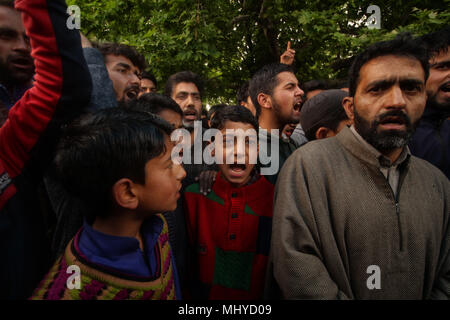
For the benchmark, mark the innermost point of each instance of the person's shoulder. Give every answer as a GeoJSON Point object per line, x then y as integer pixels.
{"type": "Point", "coordinates": [317, 149]}
{"type": "Point", "coordinates": [427, 169]}
{"type": "Point", "coordinates": [193, 188]}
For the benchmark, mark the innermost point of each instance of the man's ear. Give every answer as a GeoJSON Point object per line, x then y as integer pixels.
{"type": "Point", "coordinates": [322, 133]}
{"type": "Point", "coordinates": [125, 194]}
{"type": "Point", "coordinates": [347, 104]}
{"type": "Point", "coordinates": [264, 100]}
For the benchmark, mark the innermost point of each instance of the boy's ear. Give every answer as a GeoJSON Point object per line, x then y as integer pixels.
{"type": "Point", "coordinates": [125, 194]}
{"type": "Point", "coordinates": [347, 104]}
{"type": "Point", "coordinates": [264, 100]}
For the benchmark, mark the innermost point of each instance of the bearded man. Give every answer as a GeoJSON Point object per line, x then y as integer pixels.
{"type": "Point", "coordinates": [276, 95]}
{"type": "Point", "coordinates": [356, 216]}
{"type": "Point", "coordinates": [432, 138]}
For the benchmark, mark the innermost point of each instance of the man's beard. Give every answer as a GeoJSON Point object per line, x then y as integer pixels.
{"type": "Point", "coordinates": [385, 140]}
{"type": "Point", "coordinates": [433, 103]}
{"type": "Point", "coordinates": [283, 120]}
{"type": "Point", "coordinates": [11, 76]}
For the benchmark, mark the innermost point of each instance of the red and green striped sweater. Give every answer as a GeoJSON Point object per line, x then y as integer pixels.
{"type": "Point", "coordinates": [230, 230]}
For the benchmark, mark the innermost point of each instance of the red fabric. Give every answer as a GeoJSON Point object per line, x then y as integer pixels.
{"type": "Point", "coordinates": [31, 114]}
{"type": "Point", "coordinates": [211, 224]}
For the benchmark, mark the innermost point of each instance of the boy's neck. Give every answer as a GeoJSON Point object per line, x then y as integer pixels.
{"type": "Point", "coordinates": [120, 225]}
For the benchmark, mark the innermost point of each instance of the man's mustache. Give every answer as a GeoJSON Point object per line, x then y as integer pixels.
{"type": "Point", "coordinates": [394, 113]}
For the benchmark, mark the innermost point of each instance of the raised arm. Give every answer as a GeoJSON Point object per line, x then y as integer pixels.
{"type": "Point", "coordinates": [62, 87]}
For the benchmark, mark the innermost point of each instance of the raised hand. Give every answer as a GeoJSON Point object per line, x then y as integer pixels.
{"type": "Point", "coordinates": [288, 56]}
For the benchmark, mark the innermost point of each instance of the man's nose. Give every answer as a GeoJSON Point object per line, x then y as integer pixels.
{"type": "Point", "coordinates": [22, 44]}
{"type": "Point", "coordinates": [190, 100]}
{"type": "Point", "coordinates": [299, 92]}
{"type": "Point", "coordinates": [395, 98]}
{"type": "Point", "coordinates": [135, 80]}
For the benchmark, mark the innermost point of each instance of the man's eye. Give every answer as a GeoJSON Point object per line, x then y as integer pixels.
{"type": "Point", "coordinates": [442, 67]}
{"type": "Point", "coordinates": [411, 87]}
{"type": "Point", "coordinates": [375, 89]}
{"type": "Point", "coordinates": [7, 35]}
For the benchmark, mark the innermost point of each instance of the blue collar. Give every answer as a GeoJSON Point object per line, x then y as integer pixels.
{"type": "Point", "coordinates": [123, 253]}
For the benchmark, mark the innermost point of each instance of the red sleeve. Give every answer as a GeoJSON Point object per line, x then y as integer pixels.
{"type": "Point", "coordinates": [62, 87]}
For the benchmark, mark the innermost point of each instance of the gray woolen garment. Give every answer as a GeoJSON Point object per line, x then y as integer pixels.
{"type": "Point", "coordinates": [335, 215]}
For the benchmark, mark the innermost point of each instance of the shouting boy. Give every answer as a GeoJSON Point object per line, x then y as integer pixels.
{"type": "Point", "coordinates": [230, 227]}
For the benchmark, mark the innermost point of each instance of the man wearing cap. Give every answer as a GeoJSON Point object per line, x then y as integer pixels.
{"type": "Point", "coordinates": [356, 216]}
{"type": "Point", "coordinates": [323, 115]}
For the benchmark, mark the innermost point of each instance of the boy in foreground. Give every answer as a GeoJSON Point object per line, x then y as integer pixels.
{"type": "Point", "coordinates": [229, 228]}
{"type": "Point", "coordinates": [118, 162]}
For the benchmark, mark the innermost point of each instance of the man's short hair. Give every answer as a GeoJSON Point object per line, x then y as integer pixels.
{"type": "Point", "coordinates": [118, 49]}
{"type": "Point", "coordinates": [403, 45]}
{"type": "Point", "coordinates": [149, 76]}
{"type": "Point", "coordinates": [101, 148]}
{"type": "Point", "coordinates": [265, 80]}
{"type": "Point", "coordinates": [242, 94]}
{"type": "Point", "coordinates": [234, 114]}
{"type": "Point", "coordinates": [316, 84]}
{"type": "Point", "coordinates": [154, 103]}
{"type": "Point", "coordinates": [323, 110]}
{"type": "Point", "coordinates": [437, 41]}
{"type": "Point", "coordinates": [183, 76]}
{"type": "Point", "coordinates": [7, 3]}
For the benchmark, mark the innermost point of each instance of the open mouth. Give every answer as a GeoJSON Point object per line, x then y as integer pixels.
{"type": "Point", "coordinates": [446, 87]}
{"type": "Point", "coordinates": [288, 132]}
{"type": "Point", "coordinates": [238, 167]}
{"type": "Point", "coordinates": [132, 93]}
{"type": "Point", "coordinates": [190, 115]}
{"type": "Point", "coordinates": [22, 62]}
{"type": "Point", "coordinates": [298, 106]}
{"type": "Point", "coordinates": [393, 122]}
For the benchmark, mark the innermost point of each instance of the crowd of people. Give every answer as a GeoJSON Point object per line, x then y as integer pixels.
{"type": "Point", "coordinates": [328, 189]}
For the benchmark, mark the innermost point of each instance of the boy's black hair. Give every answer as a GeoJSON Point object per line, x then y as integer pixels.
{"type": "Point", "coordinates": [101, 148]}
{"type": "Point", "coordinates": [117, 49]}
{"type": "Point", "coordinates": [403, 45]}
{"type": "Point", "coordinates": [154, 103]}
{"type": "Point", "coordinates": [214, 109]}
{"type": "Point", "coordinates": [149, 76]}
{"type": "Point", "coordinates": [234, 114]}
{"type": "Point", "coordinates": [183, 76]}
{"type": "Point", "coordinates": [265, 80]}
{"type": "Point", "coordinates": [242, 94]}
{"type": "Point", "coordinates": [437, 41]}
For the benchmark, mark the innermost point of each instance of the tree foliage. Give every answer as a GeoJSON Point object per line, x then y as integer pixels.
{"type": "Point", "coordinates": [226, 41]}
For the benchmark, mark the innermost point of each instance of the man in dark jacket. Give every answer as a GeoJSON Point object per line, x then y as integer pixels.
{"type": "Point", "coordinates": [432, 138]}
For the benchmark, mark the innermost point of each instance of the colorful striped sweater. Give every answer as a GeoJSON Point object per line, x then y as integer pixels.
{"type": "Point", "coordinates": [230, 231]}
{"type": "Point", "coordinates": [102, 283]}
